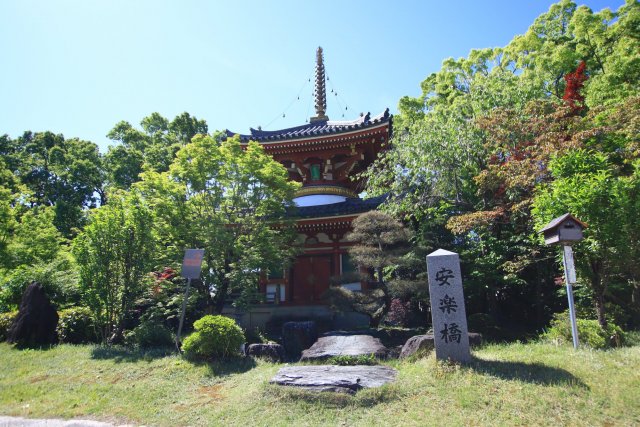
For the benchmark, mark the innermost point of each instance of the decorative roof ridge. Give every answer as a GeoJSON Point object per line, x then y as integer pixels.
{"type": "Point", "coordinates": [313, 129]}
{"type": "Point", "coordinates": [260, 132]}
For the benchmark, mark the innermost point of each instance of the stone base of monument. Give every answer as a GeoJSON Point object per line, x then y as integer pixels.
{"type": "Point", "coordinates": [425, 343]}
{"type": "Point", "coordinates": [342, 379]}
{"type": "Point", "coordinates": [334, 344]}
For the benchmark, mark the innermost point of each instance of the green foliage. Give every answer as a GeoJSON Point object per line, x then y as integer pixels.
{"type": "Point", "coordinates": [370, 303]}
{"type": "Point", "coordinates": [76, 326]}
{"type": "Point", "coordinates": [35, 239]}
{"type": "Point", "coordinates": [472, 152]}
{"type": "Point", "coordinates": [214, 336]}
{"type": "Point", "coordinates": [585, 182]}
{"type": "Point", "coordinates": [149, 335]}
{"type": "Point", "coordinates": [161, 303]}
{"type": "Point", "coordinates": [379, 241]}
{"type": "Point", "coordinates": [363, 359]}
{"type": "Point", "coordinates": [59, 279]}
{"type": "Point", "coordinates": [256, 336]}
{"type": "Point", "coordinates": [114, 254]}
{"type": "Point", "coordinates": [62, 174]}
{"type": "Point", "coordinates": [152, 149]}
{"type": "Point", "coordinates": [6, 320]}
{"type": "Point", "coordinates": [590, 333]}
{"type": "Point", "coordinates": [224, 198]}
{"type": "Point", "coordinates": [484, 324]}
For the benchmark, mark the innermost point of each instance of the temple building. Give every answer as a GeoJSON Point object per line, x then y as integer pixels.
{"type": "Point", "coordinates": [326, 157]}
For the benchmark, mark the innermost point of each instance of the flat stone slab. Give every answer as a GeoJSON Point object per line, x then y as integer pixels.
{"type": "Point", "coordinates": [343, 379]}
{"type": "Point", "coordinates": [340, 344]}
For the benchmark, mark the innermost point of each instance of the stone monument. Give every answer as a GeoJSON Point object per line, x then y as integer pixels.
{"type": "Point", "coordinates": [451, 336]}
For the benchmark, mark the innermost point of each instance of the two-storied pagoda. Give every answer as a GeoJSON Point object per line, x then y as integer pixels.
{"type": "Point", "coordinates": [325, 156]}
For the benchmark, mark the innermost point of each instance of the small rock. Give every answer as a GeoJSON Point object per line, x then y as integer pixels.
{"type": "Point", "coordinates": [343, 379]}
{"type": "Point", "coordinates": [418, 343]}
{"type": "Point", "coordinates": [424, 343]}
{"type": "Point", "coordinates": [475, 339]}
{"type": "Point", "coordinates": [271, 351]}
{"type": "Point", "coordinates": [339, 344]}
{"type": "Point", "coordinates": [298, 336]}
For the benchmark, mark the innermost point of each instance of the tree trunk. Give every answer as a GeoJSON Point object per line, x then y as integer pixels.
{"type": "Point", "coordinates": [374, 321]}
{"type": "Point", "coordinates": [221, 297]}
{"type": "Point", "coordinates": [635, 301]}
{"type": "Point", "coordinates": [221, 294]}
{"type": "Point", "coordinates": [387, 296]}
{"type": "Point", "coordinates": [601, 309]}
{"type": "Point", "coordinates": [599, 288]}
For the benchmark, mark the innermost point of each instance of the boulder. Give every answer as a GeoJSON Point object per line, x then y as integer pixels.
{"type": "Point", "coordinates": [271, 351]}
{"type": "Point", "coordinates": [298, 336]}
{"type": "Point", "coordinates": [424, 344]}
{"type": "Point", "coordinates": [340, 344]}
{"type": "Point", "coordinates": [475, 339]}
{"type": "Point", "coordinates": [343, 379]}
{"type": "Point", "coordinates": [418, 343]}
{"type": "Point", "coordinates": [37, 319]}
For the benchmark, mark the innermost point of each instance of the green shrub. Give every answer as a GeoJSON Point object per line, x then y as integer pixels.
{"type": "Point", "coordinates": [59, 279]}
{"type": "Point", "coordinates": [484, 324]}
{"type": "Point", "coordinates": [149, 335]}
{"type": "Point", "coordinates": [590, 333]}
{"type": "Point", "coordinates": [632, 338]}
{"type": "Point", "coordinates": [162, 299]}
{"type": "Point", "coordinates": [76, 326]}
{"type": "Point", "coordinates": [256, 336]}
{"type": "Point", "coordinates": [6, 320]}
{"type": "Point", "coordinates": [214, 336]}
{"type": "Point", "coordinates": [363, 359]}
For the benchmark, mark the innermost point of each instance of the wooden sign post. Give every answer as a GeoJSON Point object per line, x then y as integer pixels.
{"type": "Point", "coordinates": [191, 266]}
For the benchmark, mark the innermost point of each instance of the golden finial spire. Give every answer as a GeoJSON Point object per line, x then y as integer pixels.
{"type": "Point", "coordinates": [320, 92]}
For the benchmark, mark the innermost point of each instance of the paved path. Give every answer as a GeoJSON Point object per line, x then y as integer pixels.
{"type": "Point", "coordinates": [28, 422]}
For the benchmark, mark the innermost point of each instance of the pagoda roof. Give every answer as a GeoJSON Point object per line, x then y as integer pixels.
{"type": "Point", "coordinates": [352, 205]}
{"type": "Point", "coordinates": [313, 129]}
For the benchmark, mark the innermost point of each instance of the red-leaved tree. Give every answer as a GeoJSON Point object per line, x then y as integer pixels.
{"type": "Point", "coordinates": [575, 82]}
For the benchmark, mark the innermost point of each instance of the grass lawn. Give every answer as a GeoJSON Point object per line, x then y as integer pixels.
{"type": "Point", "coordinates": [524, 384]}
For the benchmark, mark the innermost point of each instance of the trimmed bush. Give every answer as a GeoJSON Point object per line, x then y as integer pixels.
{"type": "Point", "coordinates": [590, 333]}
{"type": "Point", "coordinates": [148, 335]}
{"type": "Point", "coordinates": [76, 326]}
{"type": "Point", "coordinates": [214, 336]}
{"type": "Point", "coordinates": [6, 320]}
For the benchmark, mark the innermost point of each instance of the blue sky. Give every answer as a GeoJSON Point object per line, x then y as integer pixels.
{"type": "Point", "coordinates": [78, 67]}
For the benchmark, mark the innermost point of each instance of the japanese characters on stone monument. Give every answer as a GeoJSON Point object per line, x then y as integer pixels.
{"type": "Point", "coordinates": [448, 314]}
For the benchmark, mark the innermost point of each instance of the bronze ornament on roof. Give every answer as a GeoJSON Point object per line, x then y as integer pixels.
{"type": "Point", "coordinates": [320, 92]}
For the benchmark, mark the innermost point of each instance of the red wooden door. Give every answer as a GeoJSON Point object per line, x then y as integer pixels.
{"type": "Point", "coordinates": [311, 277]}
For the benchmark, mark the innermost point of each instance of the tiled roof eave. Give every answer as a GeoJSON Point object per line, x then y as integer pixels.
{"type": "Point", "coordinates": [314, 130]}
